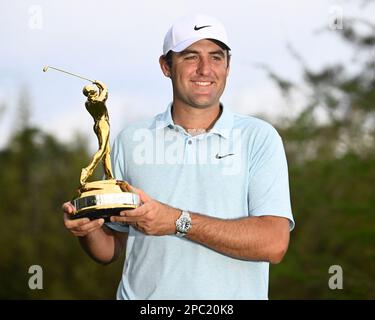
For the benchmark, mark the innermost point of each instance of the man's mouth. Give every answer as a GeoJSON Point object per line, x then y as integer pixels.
{"type": "Point", "coordinates": [202, 83]}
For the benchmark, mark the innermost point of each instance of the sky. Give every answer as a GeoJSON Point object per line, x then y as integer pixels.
{"type": "Point", "coordinates": [119, 43]}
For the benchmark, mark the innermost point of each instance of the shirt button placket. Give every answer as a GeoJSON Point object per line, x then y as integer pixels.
{"type": "Point", "coordinates": [190, 154]}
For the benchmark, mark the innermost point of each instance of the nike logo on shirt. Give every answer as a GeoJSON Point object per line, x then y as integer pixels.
{"type": "Point", "coordinates": [223, 156]}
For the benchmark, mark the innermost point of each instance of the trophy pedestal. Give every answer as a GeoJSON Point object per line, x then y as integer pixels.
{"type": "Point", "coordinates": [103, 199]}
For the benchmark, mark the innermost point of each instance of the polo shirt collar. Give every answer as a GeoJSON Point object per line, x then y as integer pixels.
{"type": "Point", "coordinates": [222, 127]}
{"type": "Point", "coordinates": [164, 119]}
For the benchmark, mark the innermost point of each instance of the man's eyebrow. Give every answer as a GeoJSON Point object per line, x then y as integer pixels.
{"type": "Point", "coordinates": [219, 52]}
{"type": "Point", "coordinates": [187, 51]}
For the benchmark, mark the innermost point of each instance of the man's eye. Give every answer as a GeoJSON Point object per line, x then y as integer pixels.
{"type": "Point", "coordinates": [217, 58]}
{"type": "Point", "coordinates": [192, 57]}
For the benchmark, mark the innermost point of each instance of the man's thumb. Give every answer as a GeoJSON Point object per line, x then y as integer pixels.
{"type": "Point", "coordinates": [142, 195]}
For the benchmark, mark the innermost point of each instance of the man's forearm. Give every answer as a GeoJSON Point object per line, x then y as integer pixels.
{"type": "Point", "coordinates": [263, 238]}
{"type": "Point", "coordinates": [103, 245]}
{"type": "Point", "coordinates": [253, 238]}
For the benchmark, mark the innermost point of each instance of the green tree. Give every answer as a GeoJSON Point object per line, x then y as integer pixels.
{"type": "Point", "coordinates": [332, 172]}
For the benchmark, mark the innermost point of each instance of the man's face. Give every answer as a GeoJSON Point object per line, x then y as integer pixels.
{"type": "Point", "coordinates": [199, 74]}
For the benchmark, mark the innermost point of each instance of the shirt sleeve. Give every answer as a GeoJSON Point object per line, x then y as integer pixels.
{"type": "Point", "coordinates": [268, 190]}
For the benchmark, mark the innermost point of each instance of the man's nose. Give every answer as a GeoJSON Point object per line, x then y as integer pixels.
{"type": "Point", "coordinates": [204, 67]}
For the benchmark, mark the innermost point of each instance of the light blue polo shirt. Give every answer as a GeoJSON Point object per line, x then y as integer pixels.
{"type": "Point", "coordinates": [237, 169]}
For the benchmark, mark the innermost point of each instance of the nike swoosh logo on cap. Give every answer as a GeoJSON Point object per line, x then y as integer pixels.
{"type": "Point", "coordinates": [198, 28]}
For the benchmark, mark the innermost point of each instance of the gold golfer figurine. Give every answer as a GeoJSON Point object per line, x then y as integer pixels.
{"type": "Point", "coordinates": [104, 198]}
{"type": "Point", "coordinates": [95, 105]}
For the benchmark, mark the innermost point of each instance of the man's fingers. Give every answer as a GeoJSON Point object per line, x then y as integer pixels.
{"type": "Point", "coordinates": [118, 219]}
{"type": "Point", "coordinates": [124, 219]}
{"type": "Point", "coordinates": [86, 227]}
{"type": "Point", "coordinates": [138, 212]}
{"type": "Point", "coordinates": [83, 224]}
{"type": "Point", "coordinates": [79, 227]}
{"type": "Point", "coordinates": [93, 228]}
{"type": "Point", "coordinates": [68, 207]}
{"type": "Point", "coordinates": [70, 224]}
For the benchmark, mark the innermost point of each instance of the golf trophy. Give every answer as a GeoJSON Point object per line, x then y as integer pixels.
{"type": "Point", "coordinates": [104, 198]}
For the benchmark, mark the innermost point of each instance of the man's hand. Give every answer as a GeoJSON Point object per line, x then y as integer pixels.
{"type": "Point", "coordinates": [152, 217]}
{"type": "Point", "coordinates": [79, 227]}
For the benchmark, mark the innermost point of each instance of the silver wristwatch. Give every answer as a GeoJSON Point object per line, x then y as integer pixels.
{"type": "Point", "coordinates": [183, 224]}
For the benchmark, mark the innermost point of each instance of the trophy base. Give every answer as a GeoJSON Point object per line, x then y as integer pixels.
{"type": "Point", "coordinates": [93, 214]}
{"type": "Point", "coordinates": [103, 199]}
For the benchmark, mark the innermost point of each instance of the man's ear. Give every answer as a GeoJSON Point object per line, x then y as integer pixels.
{"type": "Point", "coordinates": [228, 69]}
{"type": "Point", "coordinates": [228, 63]}
{"type": "Point", "coordinates": [164, 66]}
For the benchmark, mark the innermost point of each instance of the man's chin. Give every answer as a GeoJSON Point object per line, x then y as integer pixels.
{"type": "Point", "coordinates": [202, 107]}
{"type": "Point", "coordinates": [201, 104]}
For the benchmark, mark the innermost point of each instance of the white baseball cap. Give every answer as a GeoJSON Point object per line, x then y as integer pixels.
{"type": "Point", "coordinates": [189, 29]}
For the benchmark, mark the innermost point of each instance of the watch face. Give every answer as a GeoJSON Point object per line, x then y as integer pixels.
{"type": "Point", "coordinates": [186, 224]}
{"type": "Point", "coordinates": [183, 224]}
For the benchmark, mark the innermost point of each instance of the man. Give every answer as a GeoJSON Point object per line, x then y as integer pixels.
{"type": "Point", "coordinates": [213, 184]}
